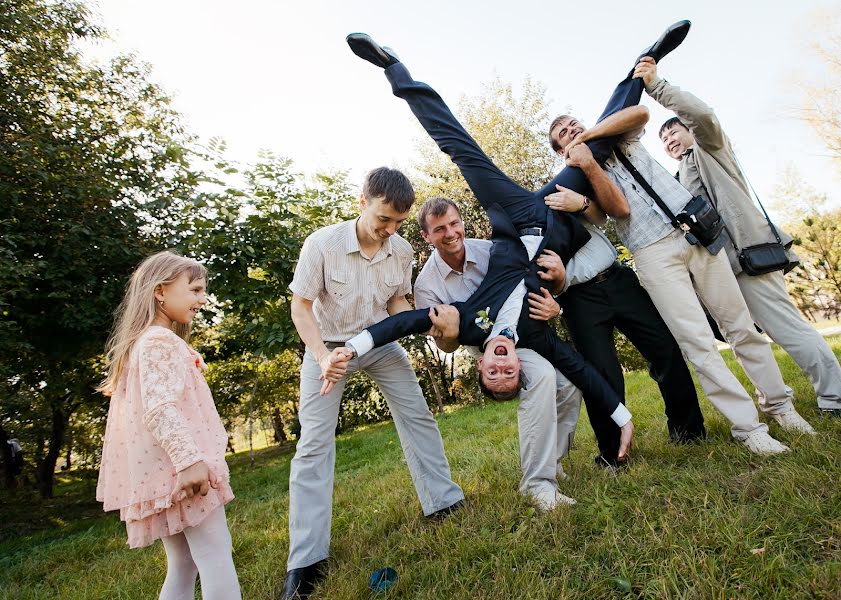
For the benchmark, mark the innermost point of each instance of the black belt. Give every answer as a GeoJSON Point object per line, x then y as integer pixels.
{"type": "Point", "coordinates": [604, 275]}
{"type": "Point", "coordinates": [530, 231]}
{"type": "Point", "coordinates": [334, 345]}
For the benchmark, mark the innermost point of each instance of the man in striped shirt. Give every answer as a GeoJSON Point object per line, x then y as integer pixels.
{"type": "Point", "coordinates": [349, 276]}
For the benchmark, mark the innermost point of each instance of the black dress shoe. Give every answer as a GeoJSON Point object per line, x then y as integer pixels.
{"type": "Point", "coordinates": [680, 435]}
{"type": "Point", "coordinates": [670, 40]}
{"type": "Point", "coordinates": [299, 583]}
{"type": "Point", "coordinates": [366, 48]}
{"type": "Point", "coordinates": [611, 464]}
{"type": "Point", "coordinates": [440, 515]}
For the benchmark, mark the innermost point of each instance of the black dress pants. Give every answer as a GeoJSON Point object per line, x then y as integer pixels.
{"type": "Point", "coordinates": [592, 311]}
{"type": "Point", "coordinates": [489, 184]}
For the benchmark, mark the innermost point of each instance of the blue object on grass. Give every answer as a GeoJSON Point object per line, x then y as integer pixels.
{"type": "Point", "coordinates": [382, 579]}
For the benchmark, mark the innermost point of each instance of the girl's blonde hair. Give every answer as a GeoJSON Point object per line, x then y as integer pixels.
{"type": "Point", "coordinates": [139, 307]}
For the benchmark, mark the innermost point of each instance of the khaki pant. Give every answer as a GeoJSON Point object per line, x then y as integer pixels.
{"type": "Point", "coordinates": [672, 271]}
{"type": "Point", "coordinates": [772, 309]}
{"type": "Point", "coordinates": [546, 417]}
{"type": "Point", "coordinates": [311, 472]}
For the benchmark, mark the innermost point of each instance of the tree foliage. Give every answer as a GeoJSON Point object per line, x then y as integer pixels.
{"type": "Point", "coordinates": [823, 97]}
{"type": "Point", "coordinates": [91, 156]}
{"type": "Point", "coordinates": [815, 285]}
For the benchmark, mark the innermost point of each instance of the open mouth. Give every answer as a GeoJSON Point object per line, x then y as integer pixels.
{"type": "Point", "coordinates": [501, 350]}
{"type": "Point", "coordinates": [673, 147]}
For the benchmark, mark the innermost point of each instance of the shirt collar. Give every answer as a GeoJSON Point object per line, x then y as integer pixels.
{"type": "Point", "coordinates": [444, 269]}
{"type": "Point", "coordinates": [351, 242]}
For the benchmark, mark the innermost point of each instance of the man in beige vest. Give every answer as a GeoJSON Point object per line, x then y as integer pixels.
{"type": "Point", "coordinates": [709, 166]}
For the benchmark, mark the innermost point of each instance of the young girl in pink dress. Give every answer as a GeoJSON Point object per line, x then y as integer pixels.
{"type": "Point", "coordinates": [163, 461]}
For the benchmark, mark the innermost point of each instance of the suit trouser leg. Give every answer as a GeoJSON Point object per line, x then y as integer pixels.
{"type": "Point", "coordinates": [489, 184]}
{"type": "Point", "coordinates": [627, 93]}
{"type": "Point", "coordinates": [417, 429]}
{"type": "Point", "coordinates": [589, 319]}
{"type": "Point", "coordinates": [717, 287]}
{"type": "Point", "coordinates": [581, 373]}
{"type": "Point", "coordinates": [311, 471]}
{"type": "Point", "coordinates": [772, 309]}
{"type": "Point", "coordinates": [664, 270]}
{"type": "Point", "coordinates": [637, 317]}
{"type": "Point", "coordinates": [542, 420]}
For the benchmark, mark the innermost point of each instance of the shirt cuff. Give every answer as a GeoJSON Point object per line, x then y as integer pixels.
{"type": "Point", "coordinates": [362, 343]}
{"type": "Point", "coordinates": [621, 415]}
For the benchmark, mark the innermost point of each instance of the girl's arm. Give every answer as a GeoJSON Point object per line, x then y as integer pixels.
{"type": "Point", "coordinates": [163, 371]}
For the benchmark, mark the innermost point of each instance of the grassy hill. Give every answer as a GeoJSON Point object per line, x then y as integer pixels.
{"type": "Point", "coordinates": [705, 520]}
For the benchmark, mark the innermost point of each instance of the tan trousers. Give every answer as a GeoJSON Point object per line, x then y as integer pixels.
{"type": "Point", "coordinates": [772, 309]}
{"type": "Point", "coordinates": [672, 271]}
{"type": "Point", "coordinates": [546, 416]}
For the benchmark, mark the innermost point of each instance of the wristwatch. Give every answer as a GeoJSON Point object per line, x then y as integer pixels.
{"type": "Point", "coordinates": [353, 352]}
{"type": "Point", "coordinates": [585, 206]}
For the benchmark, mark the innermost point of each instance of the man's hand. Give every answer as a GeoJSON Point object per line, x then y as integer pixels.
{"type": "Point", "coordinates": [646, 70]}
{"type": "Point", "coordinates": [543, 307]}
{"type": "Point", "coordinates": [579, 156]}
{"type": "Point", "coordinates": [554, 269]}
{"type": "Point", "coordinates": [445, 319]}
{"type": "Point", "coordinates": [576, 142]}
{"type": "Point", "coordinates": [626, 440]}
{"type": "Point", "coordinates": [333, 367]}
{"type": "Point", "coordinates": [564, 199]}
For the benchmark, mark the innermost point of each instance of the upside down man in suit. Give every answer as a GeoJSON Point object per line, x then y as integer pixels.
{"type": "Point", "coordinates": [496, 315]}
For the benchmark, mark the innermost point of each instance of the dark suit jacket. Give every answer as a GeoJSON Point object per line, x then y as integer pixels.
{"type": "Point", "coordinates": [509, 264]}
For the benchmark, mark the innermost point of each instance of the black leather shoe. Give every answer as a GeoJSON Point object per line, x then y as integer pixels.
{"type": "Point", "coordinates": [611, 464]}
{"type": "Point", "coordinates": [686, 436]}
{"type": "Point", "coordinates": [366, 48]}
{"type": "Point", "coordinates": [299, 583]}
{"type": "Point", "coordinates": [440, 515]}
{"type": "Point", "coordinates": [671, 39]}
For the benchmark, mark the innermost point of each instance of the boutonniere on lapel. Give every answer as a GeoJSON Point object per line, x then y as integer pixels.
{"type": "Point", "coordinates": [483, 321]}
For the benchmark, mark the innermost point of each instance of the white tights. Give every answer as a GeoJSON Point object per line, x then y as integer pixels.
{"type": "Point", "coordinates": [201, 550]}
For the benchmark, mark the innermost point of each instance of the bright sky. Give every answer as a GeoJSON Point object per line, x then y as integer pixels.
{"type": "Point", "coordinates": [278, 74]}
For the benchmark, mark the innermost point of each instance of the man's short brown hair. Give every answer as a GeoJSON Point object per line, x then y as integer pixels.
{"type": "Point", "coordinates": [500, 396]}
{"type": "Point", "coordinates": [436, 207]}
{"type": "Point", "coordinates": [390, 185]}
{"type": "Point", "coordinates": [555, 122]}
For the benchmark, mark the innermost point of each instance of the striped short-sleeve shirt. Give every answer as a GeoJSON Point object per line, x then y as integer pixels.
{"type": "Point", "coordinates": [349, 290]}
{"type": "Point", "coordinates": [647, 223]}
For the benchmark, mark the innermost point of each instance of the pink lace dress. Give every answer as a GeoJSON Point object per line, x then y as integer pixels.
{"type": "Point", "coordinates": [161, 420]}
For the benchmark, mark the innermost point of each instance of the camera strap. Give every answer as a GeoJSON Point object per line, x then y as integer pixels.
{"type": "Point", "coordinates": [647, 187]}
{"type": "Point", "coordinates": [755, 195]}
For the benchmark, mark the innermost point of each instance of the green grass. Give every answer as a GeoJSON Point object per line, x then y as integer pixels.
{"type": "Point", "coordinates": [706, 520]}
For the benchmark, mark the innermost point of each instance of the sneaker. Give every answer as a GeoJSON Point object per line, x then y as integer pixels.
{"type": "Point", "coordinates": [831, 412]}
{"type": "Point", "coordinates": [759, 442]}
{"type": "Point", "coordinates": [550, 500]}
{"type": "Point", "coordinates": [792, 421]}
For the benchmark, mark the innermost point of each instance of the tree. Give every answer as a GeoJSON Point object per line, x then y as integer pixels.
{"type": "Point", "coordinates": [815, 285]}
{"type": "Point", "coordinates": [91, 156]}
{"type": "Point", "coordinates": [823, 98]}
{"type": "Point", "coordinates": [248, 228]}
